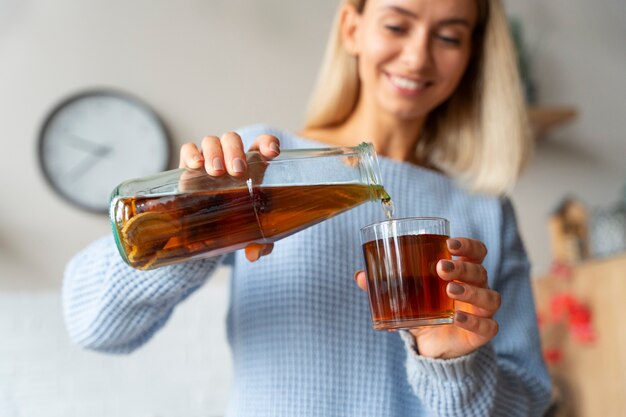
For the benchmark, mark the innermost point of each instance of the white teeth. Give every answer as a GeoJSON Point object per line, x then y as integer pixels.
{"type": "Point", "coordinates": [406, 84]}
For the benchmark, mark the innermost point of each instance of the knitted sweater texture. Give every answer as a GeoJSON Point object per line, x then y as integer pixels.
{"type": "Point", "coordinates": [300, 328]}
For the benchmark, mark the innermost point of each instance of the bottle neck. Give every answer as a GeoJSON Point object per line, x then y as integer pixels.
{"type": "Point", "coordinates": [368, 163]}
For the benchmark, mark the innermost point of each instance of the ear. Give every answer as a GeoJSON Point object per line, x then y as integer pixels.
{"type": "Point", "coordinates": [349, 25]}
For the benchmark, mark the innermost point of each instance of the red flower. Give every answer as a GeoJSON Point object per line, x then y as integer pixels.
{"type": "Point", "coordinates": [579, 314]}
{"type": "Point", "coordinates": [552, 355]}
{"type": "Point", "coordinates": [566, 307]}
{"type": "Point", "coordinates": [580, 323]}
{"type": "Point", "coordinates": [583, 333]}
{"type": "Point", "coordinates": [560, 306]}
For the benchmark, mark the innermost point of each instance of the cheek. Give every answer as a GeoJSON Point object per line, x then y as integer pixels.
{"type": "Point", "coordinates": [377, 53]}
{"type": "Point", "coordinates": [381, 51]}
{"type": "Point", "coordinates": [452, 67]}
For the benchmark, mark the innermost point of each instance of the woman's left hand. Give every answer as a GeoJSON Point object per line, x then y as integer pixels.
{"type": "Point", "coordinates": [475, 304]}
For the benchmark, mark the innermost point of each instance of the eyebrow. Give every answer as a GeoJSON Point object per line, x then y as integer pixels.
{"type": "Point", "coordinates": [450, 21]}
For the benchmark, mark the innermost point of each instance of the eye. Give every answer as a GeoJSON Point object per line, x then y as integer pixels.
{"type": "Point", "coordinates": [396, 29]}
{"type": "Point", "coordinates": [449, 40]}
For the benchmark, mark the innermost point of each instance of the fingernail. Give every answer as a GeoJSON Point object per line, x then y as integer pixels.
{"type": "Point", "coordinates": [239, 165]}
{"type": "Point", "coordinates": [454, 244]}
{"type": "Point", "coordinates": [274, 147]}
{"type": "Point", "coordinates": [455, 288]}
{"type": "Point", "coordinates": [460, 317]}
{"type": "Point", "coordinates": [218, 165]}
{"type": "Point", "coordinates": [198, 158]}
{"type": "Point", "coordinates": [357, 273]}
{"type": "Point", "coordinates": [447, 266]}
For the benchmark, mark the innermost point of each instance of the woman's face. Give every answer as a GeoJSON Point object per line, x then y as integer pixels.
{"type": "Point", "coordinates": [411, 54]}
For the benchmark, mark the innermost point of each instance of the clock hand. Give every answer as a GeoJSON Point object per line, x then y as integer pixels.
{"type": "Point", "coordinates": [88, 163]}
{"type": "Point", "coordinates": [92, 147]}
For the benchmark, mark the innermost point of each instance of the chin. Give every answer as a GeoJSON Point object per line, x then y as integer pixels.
{"type": "Point", "coordinates": [407, 110]}
{"type": "Point", "coordinates": [408, 115]}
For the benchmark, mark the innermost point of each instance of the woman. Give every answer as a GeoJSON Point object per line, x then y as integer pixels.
{"type": "Point", "coordinates": [433, 85]}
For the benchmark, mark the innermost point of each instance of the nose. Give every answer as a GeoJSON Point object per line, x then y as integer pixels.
{"type": "Point", "coordinates": [417, 54]}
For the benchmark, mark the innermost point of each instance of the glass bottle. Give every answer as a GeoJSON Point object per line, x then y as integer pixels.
{"type": "Point", "coordinates": [185, 214]}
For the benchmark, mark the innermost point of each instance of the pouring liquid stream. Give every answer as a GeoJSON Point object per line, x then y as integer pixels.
{"type": "Point", "coordinates": [387, 205]}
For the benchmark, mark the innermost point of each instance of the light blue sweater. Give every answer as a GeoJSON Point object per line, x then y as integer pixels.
{"type": "Point", "coordinates": [299, 327]}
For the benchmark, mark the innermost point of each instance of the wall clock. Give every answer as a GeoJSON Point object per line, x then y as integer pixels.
{"type": "Point", "coordinates": [94, 140]}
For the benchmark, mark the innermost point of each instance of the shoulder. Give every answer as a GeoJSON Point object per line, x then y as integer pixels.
{"type": "Point", "coordinates": [497, 211]}
{"type": "Point", "coordinates": [489, 218]}
{"type": "Point", "coordinates": [501, 230]}
{"type": "Point", "coordinates": [287, 138]}
{"type": "Point", "coordinates": [470, 204]}
{"type": "Point", "coordinates": [492, 220]}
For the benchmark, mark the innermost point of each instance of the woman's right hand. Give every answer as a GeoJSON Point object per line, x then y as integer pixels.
{"type": "Point", "coordinates": [226, 155]}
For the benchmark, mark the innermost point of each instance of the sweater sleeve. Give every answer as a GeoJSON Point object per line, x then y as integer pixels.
{"type": "Point", "coordinates": [506, 377]}
{"type": "Point", "coordinates": [109, 306]}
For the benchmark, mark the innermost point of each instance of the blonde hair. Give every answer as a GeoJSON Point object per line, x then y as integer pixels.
{"type": "Point", "coordinates": [480, 136]}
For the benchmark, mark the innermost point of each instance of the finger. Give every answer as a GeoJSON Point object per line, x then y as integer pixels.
{"type": "Point", "coordinates": [485, 327]}
{"type": "Point", "coordinates": [361, 279]}
{"type": "Point", "coordinates": [267, 249]}
{"type": "Point", "coordinates": [484, 302]}
{"type": "Point", "coordinates": [234, 155]}
{"type": "Point", "coordinates": [457, 270]}
{"type": "Point", "coordinates": [467, 249]}
{"type": "Point", "coordinates": [253, 251]}
{"type": "Point", "coordinates": [267, 145]}
{"type": "Point", "coordinates": [213, 155]}
{"type": "Point", "coordinates": [190, 156]}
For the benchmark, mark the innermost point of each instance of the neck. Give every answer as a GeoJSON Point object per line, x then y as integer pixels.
{"type": "Point", "coordinates": [393, 138]}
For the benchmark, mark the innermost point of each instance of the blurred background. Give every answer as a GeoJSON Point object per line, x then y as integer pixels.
{"type": "Point", "coordinates": [207, 66]}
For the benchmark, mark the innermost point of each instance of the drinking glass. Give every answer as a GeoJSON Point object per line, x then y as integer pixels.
{"type": "Point", "coordinates": [404, 288]}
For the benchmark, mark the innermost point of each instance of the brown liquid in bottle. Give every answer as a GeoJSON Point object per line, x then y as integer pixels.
{"type": "Point", "coordinates": [157, 231]}
{"type": "Point", "coordinates": [420, 294]}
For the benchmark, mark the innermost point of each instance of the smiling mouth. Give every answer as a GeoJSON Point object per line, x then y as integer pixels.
{"type": "Point", "coordinates": [407, 84]}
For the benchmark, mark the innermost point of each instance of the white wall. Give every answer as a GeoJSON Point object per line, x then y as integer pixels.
{"type": "Point", "coordinates": [579, 59]}
{"type": "Point", "coordinates": [205, 67]}
{"type": "Point", "coordinates": [211, 65]}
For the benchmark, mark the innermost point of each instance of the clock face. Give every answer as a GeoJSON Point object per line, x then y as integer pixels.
{"type": "Point", "coordinates": [92, 142]}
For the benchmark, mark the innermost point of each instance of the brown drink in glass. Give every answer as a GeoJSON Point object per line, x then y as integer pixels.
{"type": "Point", "coordinates": [403, 286]}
